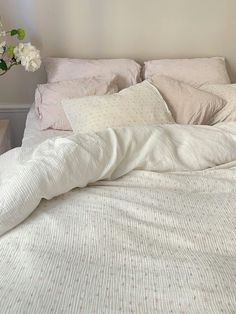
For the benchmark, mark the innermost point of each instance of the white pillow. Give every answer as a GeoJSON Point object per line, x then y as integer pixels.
{"type": "Point", "coordinates": [228, 93]}
{"type": "Point", "coordinates": [140, 104]}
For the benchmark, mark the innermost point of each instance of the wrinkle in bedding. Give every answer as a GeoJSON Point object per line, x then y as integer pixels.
{"type": "Point", "coordinates": [122, 247]}
{"type": "Point", "coordinates": [158, 239]}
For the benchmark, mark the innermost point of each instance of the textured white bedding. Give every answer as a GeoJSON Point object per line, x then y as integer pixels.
{"type": "Point", "coordinates": [158, 239]}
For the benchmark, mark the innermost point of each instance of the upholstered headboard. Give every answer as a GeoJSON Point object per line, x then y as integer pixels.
{"type": "Point", "coordinates": [138, 29]}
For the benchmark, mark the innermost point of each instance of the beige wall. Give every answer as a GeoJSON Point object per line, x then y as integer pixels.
{"type": "Point", "coordinates": [139, 29]}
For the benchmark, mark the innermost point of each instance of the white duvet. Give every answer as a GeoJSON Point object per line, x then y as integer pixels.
{"type": "Point", "coordinates": [161, 238]}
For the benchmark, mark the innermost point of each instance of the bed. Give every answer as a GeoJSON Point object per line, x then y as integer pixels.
{"type": "Point", "coordinates": [32, 134]}
{"type": "Point", "coordinates": [125, 220]}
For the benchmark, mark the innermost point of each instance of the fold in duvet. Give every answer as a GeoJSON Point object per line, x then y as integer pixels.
{"type": "Point", "coordinates": [59, 165]}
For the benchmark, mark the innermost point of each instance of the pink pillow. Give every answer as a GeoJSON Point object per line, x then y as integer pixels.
{"type": "Point", "coordinates": [61, 69]}
{"type": "Point", "coordinates": [187, 104]}
{"type": "Point", "coordinates": [48, 98]}
{"type": "Point", "coordinates": [196, 72]}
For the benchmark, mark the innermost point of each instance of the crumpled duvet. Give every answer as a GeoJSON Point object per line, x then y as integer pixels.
{"type": "Point", "coordinates": [151, 228]}
{"type": "Point", "coordinates": [60, 164]}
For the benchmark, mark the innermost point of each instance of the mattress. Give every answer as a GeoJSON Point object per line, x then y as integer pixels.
{"type": "Point", "coordinates": [131, 221]}
{"type": "Point", "coordinates": [33, 135]}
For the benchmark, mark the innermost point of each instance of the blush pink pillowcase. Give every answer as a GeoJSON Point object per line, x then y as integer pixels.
{"type": "Point", "coordinates": [128, 72]}
{"type": "Point", "coordinates": [48, 98]}
{"type": "Point", "coordinates": [187, 104]}
{"type": "Point", "coordinates": [196, 72]}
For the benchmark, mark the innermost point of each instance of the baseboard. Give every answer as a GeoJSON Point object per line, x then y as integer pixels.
{"type": "Point", "coordinates": [14, 108]}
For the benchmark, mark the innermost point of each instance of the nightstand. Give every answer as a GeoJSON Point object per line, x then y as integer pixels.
{"type": "Point", "coordinates": [5, 138]}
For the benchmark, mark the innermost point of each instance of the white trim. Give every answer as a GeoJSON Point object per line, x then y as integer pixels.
{"type": "Point", "coordinates": [8, 107]}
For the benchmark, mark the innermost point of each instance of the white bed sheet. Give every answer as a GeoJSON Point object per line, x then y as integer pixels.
{"type": "Point", "coordinates": [33, 135]}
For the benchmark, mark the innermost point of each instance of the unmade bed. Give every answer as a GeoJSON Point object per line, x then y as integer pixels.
{"type": "Point", "coordinates": [158, 239]}
{"type": "Point", "coordinates": [122, 198]}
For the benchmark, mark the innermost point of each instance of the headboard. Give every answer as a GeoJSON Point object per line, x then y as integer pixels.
{"type": "Point", "coordinates": [138, 29]}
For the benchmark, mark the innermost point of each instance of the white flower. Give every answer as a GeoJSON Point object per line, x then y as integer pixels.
{"type": "Point", "coordinates": [28, 56]}
{"type": "Point", "coordinates": [2, 46]}
{"type": "Point", "coordinates": [3, 34]}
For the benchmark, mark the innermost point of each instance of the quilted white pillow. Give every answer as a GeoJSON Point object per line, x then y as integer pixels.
{"type": "Point", "coordinates": [228, 93]}
{"type": "Point", "coordinates": [140, 104]}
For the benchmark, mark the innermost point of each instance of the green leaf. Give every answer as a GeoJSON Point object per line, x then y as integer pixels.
{"type": "Point", "coordinates": [10, 50]}
{"type": "Point", "coordinates": [20, 33]}
{"type": "Point", "coordinates": [14, 32]}
{"type": "Point", "coordinates": [3, 65]}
